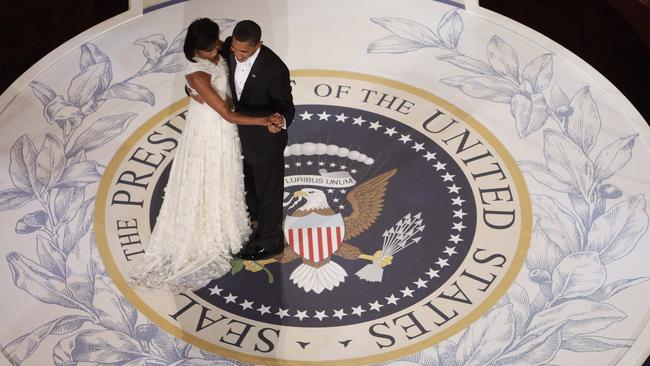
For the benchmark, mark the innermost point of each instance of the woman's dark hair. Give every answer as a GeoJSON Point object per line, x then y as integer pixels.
{"type": "Point", "coordinates": [202, 34]}
{"type": "Point", "coordinates": [247, 31]}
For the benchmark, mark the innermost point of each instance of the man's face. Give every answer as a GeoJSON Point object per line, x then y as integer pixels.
{"type": "Point", "coordinates": [243, 50]}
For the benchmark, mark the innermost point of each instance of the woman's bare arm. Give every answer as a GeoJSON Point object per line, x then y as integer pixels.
{"type": "Point", "coordinates": [200, 81]}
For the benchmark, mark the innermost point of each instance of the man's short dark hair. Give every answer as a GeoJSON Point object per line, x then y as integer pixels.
{"type": "Point", "coordinates": [202, 34]}
{"type": "Point", "coordinates": [247, 31]}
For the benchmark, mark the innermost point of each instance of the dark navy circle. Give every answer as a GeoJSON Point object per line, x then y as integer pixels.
{"type": "Point", "coordinates": [418, 186]}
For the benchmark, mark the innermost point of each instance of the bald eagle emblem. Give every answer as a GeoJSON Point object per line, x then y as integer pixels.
{"type": "Point", "coordinates": [316, 234]}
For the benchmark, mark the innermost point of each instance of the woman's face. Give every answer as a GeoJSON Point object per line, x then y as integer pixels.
{"type": "Point", "coordinates": [212, 53]}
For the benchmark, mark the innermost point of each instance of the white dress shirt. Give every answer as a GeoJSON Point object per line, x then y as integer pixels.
{"type": "Point", "coordinates": [242, 71]}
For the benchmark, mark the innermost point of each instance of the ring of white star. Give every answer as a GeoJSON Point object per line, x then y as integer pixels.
{"type": "Point", "coordinates": [420, 283]}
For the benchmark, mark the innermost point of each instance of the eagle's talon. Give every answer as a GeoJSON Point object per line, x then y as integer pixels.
{"type": "Point", "coordinates": [378, 258]}
{"type": "Point", "coordinates": [381, 260]}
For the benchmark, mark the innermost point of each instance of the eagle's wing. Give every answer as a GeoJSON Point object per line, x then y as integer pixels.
{"type": "Point", "coordinates": [367, 201]}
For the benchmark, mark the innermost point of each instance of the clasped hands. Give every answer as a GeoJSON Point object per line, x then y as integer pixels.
{"type": "Point", "coordinates": [275, 123]}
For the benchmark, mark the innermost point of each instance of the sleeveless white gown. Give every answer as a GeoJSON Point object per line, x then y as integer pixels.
{"type": "Point", "coordinates": [203, 218]}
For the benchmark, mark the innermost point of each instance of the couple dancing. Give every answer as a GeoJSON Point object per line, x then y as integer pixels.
{"type": "Point", "coordinates": [229, 166]}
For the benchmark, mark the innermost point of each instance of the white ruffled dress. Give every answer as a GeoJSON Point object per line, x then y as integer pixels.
{"type": "Point", "coordinates": [203, 218]}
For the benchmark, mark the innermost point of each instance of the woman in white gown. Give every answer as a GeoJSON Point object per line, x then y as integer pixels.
{"type": "Point", "coordinates": [203, 218]}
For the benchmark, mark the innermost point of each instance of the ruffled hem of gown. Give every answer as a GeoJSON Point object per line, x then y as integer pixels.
{"type": "Point", "coordinates": [169, 276]}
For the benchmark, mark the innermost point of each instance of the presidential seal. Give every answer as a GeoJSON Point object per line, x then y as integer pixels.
{"type": "Point", "coordinates": [405, 221]}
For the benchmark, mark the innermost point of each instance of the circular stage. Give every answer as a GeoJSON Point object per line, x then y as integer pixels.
{"type": "Point", "coordinates": [485, 193]}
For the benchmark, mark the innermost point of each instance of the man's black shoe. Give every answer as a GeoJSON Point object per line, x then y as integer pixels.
{"type": "Point", "coordinates": [260, 253]}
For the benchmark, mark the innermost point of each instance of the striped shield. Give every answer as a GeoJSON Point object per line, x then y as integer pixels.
{"type": "Point", "coordinates": [314, 237]}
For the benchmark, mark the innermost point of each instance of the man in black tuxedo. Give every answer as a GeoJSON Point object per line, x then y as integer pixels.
{"type": "Point", "coordinates": [260, 86]}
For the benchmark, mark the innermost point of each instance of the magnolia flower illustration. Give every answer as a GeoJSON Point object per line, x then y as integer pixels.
{"type": "Point", "coordinates": [101, 327]}
{"type": "Point", "coordinates": [582, 222]}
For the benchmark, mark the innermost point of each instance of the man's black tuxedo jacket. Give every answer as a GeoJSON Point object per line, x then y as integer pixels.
{"type": "Point", "coordinates": [267, 89]}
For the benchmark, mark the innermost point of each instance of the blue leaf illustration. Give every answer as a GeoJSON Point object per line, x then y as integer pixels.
{"type": "Point", "coordinates": [598, 202]}
{"type": "Point", "coordinates": [69, 323]}
{"type": "Point", "coordinates": [61, 353]}
{"type": "Point", "coordinates": [483, 342]}
{"type": "Point", "coordinates": [98, 346]}
{"type": "Point", "coordinates": [22, 347]}
{"type": "Point", "coordinates": [66, 203]}
{"type": "Point", "coordinates": [559, 102]}
{"type": "Point", "coordinates": [81, 272]}
{"type": "Point", "coordinates": [113, 310]}
{"type": "Point", "coordinates": [182, 348]}
{"type": "Point", "coordinates": [13, 198]}
{"type": "Point", "coordinates": [567, 161]}
{"type": "Point", "coordinates": [543, 256]}
{"type": "Point", "coordinates": [158, 341]}
{"type": "Point", "coordinates": [31, 222]}
{"type": "Point", "coordinates": [195, 361]}
{"type": "Point", "coordinates": [172, 63]}
{"type": "Point", "coordinates": [39, 282]}
{"type": "Point", "coordinates": [595, 343]}
{"type": "Point", "coordinates": [539, 72]}
{"type": "Point", "coordinates": [503, 58]}
{"type": "Point", "coordinates": [81, 174]}
{"type": "Point", "coordinates": [91, 55]}
{"type": "Point", "coordinates": [584, 317]}
{"type": "Point", "coordinates": [393, 44]}
{"type": "Point", "coordinates": [483, 87]}
{"type": "Point", "coordinates": [100, 132]}
{"type": "Point", "coordinates": [143, 361]}
{"type": "Point", "coordinates": [43, 92]}
{"type": "Point", "coordinates": [517, 297]}
{"type": "Point", "coordinates": [152, 46]}
{"type": "Point", "coordinates": [612, 289]}
{"type": "Point", "coordinates": [77, 158]}
{"type": "Point", "coordinates": [50, 257]}
{"type": "Point", "coordinates": [579, 274]}
{"type": "Point", "coordinates": [558, 97]}
{"type": "Point", "coordinates": [409, 30]}
{"type": "Point", "coordinates": [617, 232]}
{"type": "Point", "coordinates": [469, 64]}
{"type": "Point", "coordinates": [177, 43]}
{"type": "Point", "coordinates": [545, 176]}
{"type": "Point", "coordinates": [208, 356]}
{"type": "Point", "coordinates": [22, 167]}
{"type": "Point", "coordinates": [613, 157]}
{"type": "Point", "coordinates": [557, 222]}
{"type": "Point", "coordinates": [535, 350]}
{"type": "Point", "coordinates": [582, 208]}
{"type": "Point", "coordinates": [584, 124]}
{"type": "Point", "coordinates": [50, 161]}
{"type": "Point", "coordinates": [65, 114]}
{"type": "Point", "coordinates": [447, 352]}
{"type": "Point", "coordinates": [450, 28]}
{"type": "Point", "coordinates": [79, 226]}
{"type": "Point", "coordinates": [529, 111]}
{"type": "Point", "coordinates": [130, 91]}
{"type": "Point", "coordinates": [428, 356]}
{"type": "Point", "coordinates": [89, 83]}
